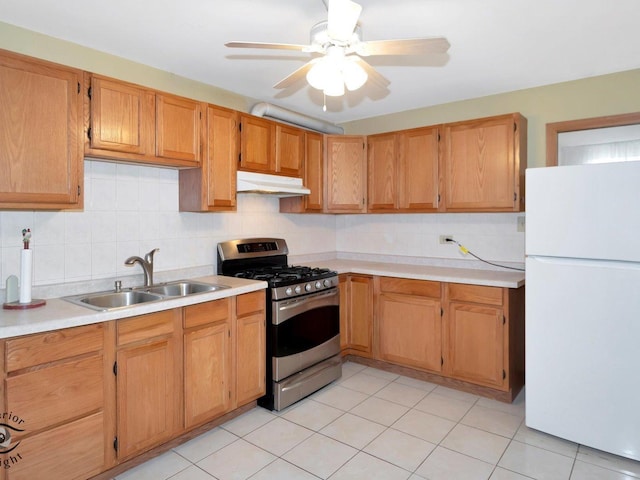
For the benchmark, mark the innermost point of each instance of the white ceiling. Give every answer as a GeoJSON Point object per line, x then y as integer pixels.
{"type": "Point", "coordinates": [496, 45]}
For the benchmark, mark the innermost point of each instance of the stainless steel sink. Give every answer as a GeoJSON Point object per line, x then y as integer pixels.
{"type": "Point", "coordinates": [183, 288]}
{"type": "Point", "coordinates": [113, 300]}
{"type": "Point", "coordinates": [130, 297]}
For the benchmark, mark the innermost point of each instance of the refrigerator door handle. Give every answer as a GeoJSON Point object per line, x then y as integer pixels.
{"type": "Point", "coordinates": [586, 262]}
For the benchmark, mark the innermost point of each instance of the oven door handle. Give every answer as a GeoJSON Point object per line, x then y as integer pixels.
{"type": "Point", "coordinates": [283, 311]}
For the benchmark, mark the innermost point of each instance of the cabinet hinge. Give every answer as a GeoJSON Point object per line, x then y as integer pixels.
{"type": "Point", "coordinates": [438, 136]}
{"type": "Point", "coordinates": [89, 92]}
{"type": "Point", "coordinates": [240, 126]}
{"type": "Point", "coordinates": [78, 87]}
{"type": "Point", "coordinates": [441, 361]}
{"type": "Point", "coordinates": [89, 133]}
{"type": "Point", "coordinates": [441, 312]}
{"type": "Point", "coordinates": [504, 320]}
{"type": "Point", "coordinates": [115, 443]}
{"type": "Point", "coordinates": [239, 158]}
{"type": "Point", "coordinates": [515, 196]}
{"type": "Point", "coordinates": [363, 145]}
{"type": "Point", "coordinates": [438, 199]}
{"type": "Point", "coordinates": [79, 190]}
{"type": "Point", "coordinates": [515, 127]}
{"type": "Point", "coordinates": [504, 374]}
{"type": "Point", "coordinates": [115, 368]}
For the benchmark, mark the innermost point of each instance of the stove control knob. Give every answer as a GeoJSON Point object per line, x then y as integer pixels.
{"type": "Point", "coordinates": [318, 285]}
{"type": "Point", "coordinates": [289, 291]}
{"type": "Point", "coordinates": [298, 289]}
{"type": "Point", "coordinates": [308, 287]}
{"type": "Point", "coordinates": [327, 283]}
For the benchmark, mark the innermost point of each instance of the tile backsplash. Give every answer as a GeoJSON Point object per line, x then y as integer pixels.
{"type": "Point", "coordinates": [130, 210]}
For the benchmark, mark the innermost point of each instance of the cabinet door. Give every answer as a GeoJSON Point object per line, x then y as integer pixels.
{"type": "Point", "coordinates": [346, 174]}
{"type": "Point", "coordinates": [289, 150]}
{"type": "Point", "coordinates": [147, 398]}
{"type": "Point", "coordinates": [479, 165]}
{"type": "Point", "coordinates": [206, 373]}
{"type": "Point", "coordinates": [122, 117]}
{"type": "Point", "coordinates": [250, 358]}
{"type": "Point", "coordinates": [213, 187]}
{"type": "Point", "coordinates": [343, 285]}
{"type": "Point", "coordinates": [475, 344]}
{"type": "Point", "coordinates": [313, 172]}
{"type": "Point", "coordinates": [257, 144]}
{"type": "Point", "coordinates": [410, 331]}
{"type": "Point", "coordinates": [178, 128]}
{"type": "Point", "coordinates": [382, 172]}
{"type": "Point", "coordinates": [418, 169]}
{"type": "Point", "coordinates": [360, 314]}
{"type": "Point", "coordinates": [40, 134]}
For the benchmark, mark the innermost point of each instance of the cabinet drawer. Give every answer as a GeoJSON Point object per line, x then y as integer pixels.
{"type": "Point", "coordinates": [49, 396]}
{"type": "Point", "coordinates": [250, 303]}
{"type": "Point", "coordinates": [146, 326]}
{"type": "Point", "coordinates": [475, 294]}
{"type": "Point", "coordinates": [51, 346]}
{"type": "Point", "coordinates": [210, 312]}
{"type": "Point", "coordinates": [73, 451]}
{"type": "Point", "coordinates": [423, 288]}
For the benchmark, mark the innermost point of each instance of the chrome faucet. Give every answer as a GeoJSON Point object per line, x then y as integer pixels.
{"type": "Point", "coordinates": [147, 265]}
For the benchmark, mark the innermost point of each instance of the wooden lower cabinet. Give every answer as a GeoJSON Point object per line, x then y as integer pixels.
{"type": "Point", "coordinates": [207, 361]}
{"type": "Point", "coordinates": [468, 336]}
{"type": "Point", "coordinates": [250, 336]}
{"type": "Point", "coordinates": [484, 335]}
{"type": "Point", "coordinates": [59, 385]}
{"type": "Point", "coordinates": [149, 374]}
{"type": "Point", "coordinates": [356, 312]}
{"type": "Point", "coordinates": [475, 344]}
{"type": "Point", "coordinates": [409, 326]}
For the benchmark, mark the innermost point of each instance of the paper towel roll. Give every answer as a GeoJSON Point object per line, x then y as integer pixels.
{"type": "Point", "coordinates": [25, 275]}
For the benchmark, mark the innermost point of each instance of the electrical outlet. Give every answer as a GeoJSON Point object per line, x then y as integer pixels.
{"type": "Point", "coordinates": [520, 227]}
{"type": "Point", "coordinates": [446, 238]}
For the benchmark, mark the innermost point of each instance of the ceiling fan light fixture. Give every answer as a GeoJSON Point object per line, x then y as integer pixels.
{"type": "Point", "coordinates": [353, 74]}
{"type": "Point", "coordinates": [334, 86]}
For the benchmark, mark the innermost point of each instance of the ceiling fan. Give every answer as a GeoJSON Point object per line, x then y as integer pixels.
{"type": "Point", "coordinates": [338, 43]}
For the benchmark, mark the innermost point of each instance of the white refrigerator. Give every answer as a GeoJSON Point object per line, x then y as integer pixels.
{"type": "Point", "coordinates": [583, 304]}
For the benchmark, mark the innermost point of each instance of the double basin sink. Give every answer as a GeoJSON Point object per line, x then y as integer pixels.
{"type": "Point", "coordinates": [117, 299]}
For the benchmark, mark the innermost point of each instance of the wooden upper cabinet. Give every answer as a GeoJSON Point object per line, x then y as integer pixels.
{"type": "Point", "coordinates": [483, 164]}
{"type": "Point", "coordinates": [121, 117]}
{"type": "Point", "coordinates": [213, 187]}
{"type": "Point", "coordinates": [257, 144]}
{"type": "Point", "coordinates": [178, 128]}
{"type": "Point", "coordinates": [290, 151]}
{"type": "Point", "coordinates": [136, 124]}
{"type": "Point", "coordinates": [418, 169]}
{"type": "Point", "coordinates": [382, 172]}
{"type": "Point", "coordinates": [40, 134]}
{"type": "Point", "coordinates": [313, 179]}
{"type": "Point", "coordinates": [346, 180]}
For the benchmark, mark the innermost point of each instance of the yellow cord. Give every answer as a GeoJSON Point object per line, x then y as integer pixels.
{"type": "Point", "coordinates": [463, 249]}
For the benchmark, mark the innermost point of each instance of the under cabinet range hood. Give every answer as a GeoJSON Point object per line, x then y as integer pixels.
{"type": "Point", "coordinates": [276, 185]}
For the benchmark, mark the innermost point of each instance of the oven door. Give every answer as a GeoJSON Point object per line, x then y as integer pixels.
{"type": "Point", "coordinates": [304, 331]}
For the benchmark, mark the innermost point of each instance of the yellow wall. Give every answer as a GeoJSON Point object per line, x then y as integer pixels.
{"type": "Point", "coordinates": [66, 53]}
{"type": "Point", "coordinates": [590, 97]}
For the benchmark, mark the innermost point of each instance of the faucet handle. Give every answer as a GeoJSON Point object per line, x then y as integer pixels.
{"type": "Point", "coordinates": [149, 256]}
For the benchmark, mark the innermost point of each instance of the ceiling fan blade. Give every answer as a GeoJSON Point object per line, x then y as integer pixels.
{"type": "Point", "coordinates": [342, 19]}
{"type": "Point", "coordinates": [410, 46]}
{"type": "Point", "coordinates": [275, 46]}
{"type": "Point", "coordinates": [296, 75]}
{"type": "Point", "coordinates": [373, 74]}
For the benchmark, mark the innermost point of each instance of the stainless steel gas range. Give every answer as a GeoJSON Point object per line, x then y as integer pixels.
{"type": "Point", "coordinates": [303, 318]}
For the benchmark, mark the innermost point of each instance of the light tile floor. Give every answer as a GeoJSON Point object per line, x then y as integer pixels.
{"type": "Point", "coordinates": [373, 425]}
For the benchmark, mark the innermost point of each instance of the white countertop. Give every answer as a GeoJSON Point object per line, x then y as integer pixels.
{"type": "Point", "coordinates": [58, 313]}
{"type": "Point", "coordinates": [492, 278]}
